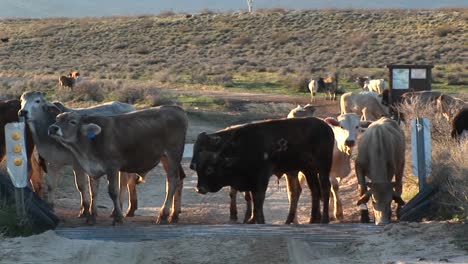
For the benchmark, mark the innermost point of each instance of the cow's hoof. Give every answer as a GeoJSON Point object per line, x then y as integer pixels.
{"type": "Point", "coordinates": [118, 220]}
{"type": "Point", "coordinates": [130, 213]}
{"type": "Point", "coordinates": [365, 216]}
{"type": "Point", "coordinates": [91, 220]}
{"type": "Point", "coordinates": [174, 219]}
{"type": "Point", "coordinates": [162, 221]}
{"type": "Point", "coordinates": [339, 217]}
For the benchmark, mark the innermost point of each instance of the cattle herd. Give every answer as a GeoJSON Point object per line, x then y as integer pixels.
{"type": "Point", "coordinates": [124, 143]}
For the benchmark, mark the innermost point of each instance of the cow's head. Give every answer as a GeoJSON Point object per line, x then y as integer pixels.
{"type": "Point", "coordinates": [205, 161]}
{"type": "Point", "coordinates": [346, 129]}
{"type": "Point", "coordinates": [302, 111]}
{"type": "Point", "coordinates": [34, 106]}
{"type": "Point", "coordinates": [381, 194]}
{"type": "Point", "coordinates": [70, 128]}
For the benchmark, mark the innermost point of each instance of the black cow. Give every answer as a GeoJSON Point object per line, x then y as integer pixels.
{"type": "Point", "coordinates": [460, 123]}
{"type": "Point", "coordinates": [245, 156]}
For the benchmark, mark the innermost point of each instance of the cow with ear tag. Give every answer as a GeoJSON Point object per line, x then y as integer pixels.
{"type": "Point", "coordinates": [133, 142]}
{"type": "Point", "coordinates": [381, 158]}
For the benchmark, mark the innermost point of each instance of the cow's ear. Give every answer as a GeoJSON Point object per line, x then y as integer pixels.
{"type": "Point", "coordinates": [332, 121]}
{"type": "Point", "coordinates": [51, 108]}
{"type": "Point", "coordinates": [214, 140]}
{"type": "Point", "coordinates": [364, 123]}
{"type": "Point", "coordinates": [90, 130]}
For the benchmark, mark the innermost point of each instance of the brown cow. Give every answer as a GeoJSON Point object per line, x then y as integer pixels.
{"type": "Point", "coordinates": [381, 158]}
{"type": "Point", "coordinates": [9, 113]}
{"type": "Point", "coordinates": [134, 142]}
{"type": "Point", "coordinates": [70, 81]}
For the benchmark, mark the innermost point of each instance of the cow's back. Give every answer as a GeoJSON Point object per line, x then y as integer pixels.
{"type": "Point", "coordinates": [286, 144]}
{"type": "Point", "coordinates": [382, 149]}
{"type": "Point", "coordinates": [134, 140]}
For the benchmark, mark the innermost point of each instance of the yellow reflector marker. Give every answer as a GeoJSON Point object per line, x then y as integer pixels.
{"type": "Point", "coordinates": [17, 148]}
{"type": "Point", "coordinates": [18, 161]}
{"type": "Point", "coordinates": [16, 135]}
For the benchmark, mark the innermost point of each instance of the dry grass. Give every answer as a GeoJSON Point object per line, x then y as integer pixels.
{"type": "Point", "coordinates": [449, 166]}
{"type": "Point", "coordinates": [268, 40]}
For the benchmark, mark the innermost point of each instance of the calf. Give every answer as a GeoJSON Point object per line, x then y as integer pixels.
{"type": "Point", "coordinates": [133, 142]}
{"type": "Point", "coordinates": [245, 156]}
{"type": "Point", "coordinates": [40, 114]}
{"type": "Point", "coordinates": [381, 158]}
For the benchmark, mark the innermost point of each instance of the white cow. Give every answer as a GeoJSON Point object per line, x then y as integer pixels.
{"type": "Point", "coordinates": [375, 85]}
{"type": "Point", "coordinates": [365, 105]}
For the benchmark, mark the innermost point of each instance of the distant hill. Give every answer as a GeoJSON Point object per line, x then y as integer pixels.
{"type": "Point", "coordinates": [86, 8]}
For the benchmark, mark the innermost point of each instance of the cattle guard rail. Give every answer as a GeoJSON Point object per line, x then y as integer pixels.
{"type": "Point", "coordinates": [332, 233]}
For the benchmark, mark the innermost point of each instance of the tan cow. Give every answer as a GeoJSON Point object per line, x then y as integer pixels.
{"type": "Point", "coordinates": [365, 105]}
{"type": "Point", "coordinates": [133, 142]}
{"type": "Point", "coordinates": [381, 158]}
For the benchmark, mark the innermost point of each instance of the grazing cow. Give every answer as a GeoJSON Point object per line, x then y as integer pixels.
{"type": "Point", "coordinates": [460, 124]}
{"type": "Point", "coordinates": [132, 142]}
{"type": "Point", "coordinates": [245, 156]}
{"type": "Point", "coordinates": [9, 113]}
{"type": "Point", "coordinates": [40, 114]}
{"type": "Point", "coordinates": [5, 39]}
{"type": "Point", "coordinates": [448, 106]}
{"type": "Point", "coordinates": [381, 157]}
{"type": "Point", "coordinates": [362, 104]}
{"type": "Point", "coordinates": [328, 85]}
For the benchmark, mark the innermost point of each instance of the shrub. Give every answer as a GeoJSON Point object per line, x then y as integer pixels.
{"type": "Point", "coordinates": [242, 39]}
{"type": "Point", "coordinates": [449, 166]}
{"type": "Point", "coordinates": [444, 30]}
{"type": "Point", "coordinates": [84, 91]}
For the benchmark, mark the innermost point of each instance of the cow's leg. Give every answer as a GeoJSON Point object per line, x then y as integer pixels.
{"type": "Point", "coordinates": [172, 178]}
{"type": "Point", "coordinates": [132, 195]}
{"type": "Point", "coordinates": [248, 206]}
{"type": "Point", "coordinates": [337, 206]}
{"type": "Point", "coordinates": [258, 198]}
{"type": "Point", "coordinates": [94, 190]}
{"type": "Point", "coordinates": [114, 193]}
{"type": "Point", "coordinates": [399, 189]}
{"type": "Point", "coordinates": [362, 190]}
{"type": "Point", "coordinates": [294, 189]}
{"type": "Point", "coordinates": [324, 181]}
{"type": "Point", "coordinates": [233, 205]}
{"type": "Point", "coordinates": [51, 182]}
{"type": "Point", "coordinates": [36, 176]}
{"type": "Point", "coordinates": [81, 183]}
{"type": "Point", "coordinates": [314, 186]}
{"type": "Point", "coordinates": [122, 187]}
{"type": "Point", "coordinates": [177, 201]}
